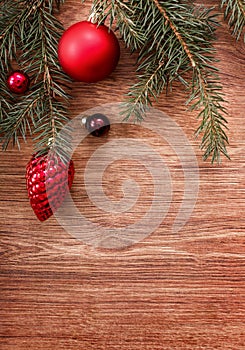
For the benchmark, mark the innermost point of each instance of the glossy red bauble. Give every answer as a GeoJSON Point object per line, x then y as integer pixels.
{"type": "Point", "coordinates": [48, 182]}
{"type": "Point", "coordinates": [18, 82]}
{"type": "Point", "coordinates": [88, 52]}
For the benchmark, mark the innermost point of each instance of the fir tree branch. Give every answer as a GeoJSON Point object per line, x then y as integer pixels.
{"type": "Point", "coordinates": [47, 78]}
{"type": "Point", "coordinates": [13, 127]}
{"type": "Point", "coordinates": [5, 98]}
{"type": "Point", "coordinates": [125, 17]}
{"type": "Point", "coordinates": [42, 112]}
{"type": "Point", "coordinates": [174, 41]}
{"type": "Point", "coordinates": [208, 99]}
{"type": "Point", "coordinates": [177, 34]}
{"type": "Point", "coordinates": [182, 43]}
{"type": "Point", "coordinates": [11, 13]}
{"type": "Point", "coordinates": [234, 12]}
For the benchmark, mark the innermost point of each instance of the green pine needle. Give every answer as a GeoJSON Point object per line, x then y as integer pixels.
{"type": "Point", "coordinates": [234, 12]}
{"type": "Point", "coordinates": [175, 44]}
{"type": "Point", "coordinates": [174, 40]}
{"type": "Point", "coordinates": [31, 30]}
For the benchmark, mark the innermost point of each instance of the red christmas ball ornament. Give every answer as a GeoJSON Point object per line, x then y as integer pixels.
{"type": "Point", "coordinates": [48, 182]}
{"type": "Point", "coordinates": [97, 124]}
{"type": "Point", "coordinates": [88, 52]}
{"type": "Point", "coordinates": [18, 82]}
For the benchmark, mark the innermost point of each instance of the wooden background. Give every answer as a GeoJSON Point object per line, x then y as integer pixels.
{"type": "Point", "coordinates": [170, 291]}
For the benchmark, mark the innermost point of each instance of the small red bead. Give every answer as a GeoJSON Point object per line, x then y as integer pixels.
{"type": "Point", "coordinates": [18, 82]}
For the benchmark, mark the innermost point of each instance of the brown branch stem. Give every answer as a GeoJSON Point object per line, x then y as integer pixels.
{"type": "Point", "coordinates": [175, 30]}
{"type": "Point", "coordinates": [241, 6]}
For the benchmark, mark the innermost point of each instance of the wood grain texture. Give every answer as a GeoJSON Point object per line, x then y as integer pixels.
{"type": "Point", "coordinates": [169, 291]}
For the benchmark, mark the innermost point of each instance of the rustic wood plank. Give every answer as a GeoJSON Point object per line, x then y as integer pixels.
{"type": "Point", "coordinates": [169, 291]}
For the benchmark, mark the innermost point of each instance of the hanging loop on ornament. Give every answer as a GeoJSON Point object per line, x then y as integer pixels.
{"type": "Point", "coordinates": [94, 16]}
{"type": "Point", "coordinates": [50, 142]}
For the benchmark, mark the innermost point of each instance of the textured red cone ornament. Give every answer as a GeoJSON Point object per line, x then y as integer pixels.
{"type": "Point", "coordinates": [48, 182]}
{"type": "Point", "coordinates": [88, 52]}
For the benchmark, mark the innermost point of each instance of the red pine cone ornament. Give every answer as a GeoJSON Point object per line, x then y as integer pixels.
{"type": "Point", "coordinates": [47, 183]}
